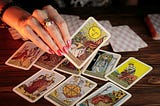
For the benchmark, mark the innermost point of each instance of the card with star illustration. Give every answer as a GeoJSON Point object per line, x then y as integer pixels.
{"type": "Point", "coordinates": [86, 41]}
{"type": "Point", "coordinates": [69, 92]}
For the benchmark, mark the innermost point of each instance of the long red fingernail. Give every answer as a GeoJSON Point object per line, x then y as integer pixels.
{"type": "Point", "coordinates": [69, 42]}
{"type": "Point", "coordinates": [59, 52]}
{"type": "Point", "coordinates": [65, 49]}
{"type": "Point", "coordinates": [51, 51]}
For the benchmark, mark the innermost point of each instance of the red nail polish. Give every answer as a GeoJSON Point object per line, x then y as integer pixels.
{"type": "Point", "coordinates": [51, 51]}
{"type": "Point", "coordinates": [59, 52]}
{"type": "Point", "coordinates": [65, 49]}
{"type": "Point", "coordinates": [69, 43]}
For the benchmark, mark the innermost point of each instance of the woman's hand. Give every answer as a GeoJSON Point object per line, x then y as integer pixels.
{"type": "Point", "coordinates": [46, 28]}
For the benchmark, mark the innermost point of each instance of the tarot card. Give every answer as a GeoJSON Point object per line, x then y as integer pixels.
{"type": "Point", "coordinates": [129, 72]}
{"type": "Point", "coordinates": [39, 84]}
{"type": "Point", "coordinates": [67, 67]}
{"type": "Point", "coordinates": [70, 91]}
{"type": "Point", "coordinates": [25, 56]}
{"type": "Point", "coordinates": [86, 41]}
{"type": "Point", "coordinates": [107, 95]}
{"type": "Point", "coordinates": [48, 61]}
{"type": "Point", "coordinates": [103, 63]}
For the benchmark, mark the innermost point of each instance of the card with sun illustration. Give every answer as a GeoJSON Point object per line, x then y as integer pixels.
{"type": "Point", "coordinates": [69, 92]}
{"type": "Point", "coordinates": [86, 41]}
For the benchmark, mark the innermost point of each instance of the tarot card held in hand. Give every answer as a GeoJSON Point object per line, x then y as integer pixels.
{"type": "Point", "coordinates": [67, 67]}
{"type": "Point", "coordinates": [128, 73]}
{"type": "Point", "coordinates": [70, 91]}
{"type": "Point", "coordinates": [37, 85]}
{"type": "Point", "coordinates": [48, 61]}
{"type": "Point", "coordinates": [107, 95]}
{"type": "Point", "coordinates": [103, 63]}
{"type": "Point", "coordinates": [86, 41]}
{"type": "Point", "coordinates": [25, 56]}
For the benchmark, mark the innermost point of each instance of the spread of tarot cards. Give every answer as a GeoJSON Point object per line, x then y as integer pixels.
{"type": "Point", "coordinates": [84, 62]}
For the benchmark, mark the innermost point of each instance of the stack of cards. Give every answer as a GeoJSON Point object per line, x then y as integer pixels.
{"type": "Point", "coordinates": [124, 39]}
{"type": "Point", "coordinates": [153, 22]}
{"type": "Point", "coordinates": [85, 58]}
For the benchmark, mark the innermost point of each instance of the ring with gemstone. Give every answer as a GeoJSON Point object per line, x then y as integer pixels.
{"type": "Point", "coordinates": [47, 22]}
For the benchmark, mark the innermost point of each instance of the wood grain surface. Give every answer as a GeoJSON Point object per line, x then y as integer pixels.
{"type": "Point", "coordinates": [145, 92]}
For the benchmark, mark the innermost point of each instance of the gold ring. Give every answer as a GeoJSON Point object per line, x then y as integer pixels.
{"type": "Point", "coordinates": [47, 22]}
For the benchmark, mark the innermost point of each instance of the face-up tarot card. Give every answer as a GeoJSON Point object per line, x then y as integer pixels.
{"type": "Point", "coordinates": [67, 67]}
{"type": "Point", "coordinates": [48, 61]}
{"type": "Point", "coordinates": [37, 85]}
{"type": "Point", "coordinates": [107, 95]}
{"type": "Point", "coordinates": [25, 56]}
{"type": "Point", "coordinates": [70, 91]}
{"type": "Point", "coordinates": [103, 63]}
{"type": "Point", "coordinates": [129, 72]}
{"type": "Point", "coordinates": [86, 41]}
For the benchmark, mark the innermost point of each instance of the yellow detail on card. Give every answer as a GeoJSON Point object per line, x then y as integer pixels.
{"type": "Point", "coordinates": [94, 32]}
{"type": "Point", "coordinates": [140, 68]}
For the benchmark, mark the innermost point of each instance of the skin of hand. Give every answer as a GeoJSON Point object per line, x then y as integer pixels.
{"type": "Point", "coordinates": [54, 38]}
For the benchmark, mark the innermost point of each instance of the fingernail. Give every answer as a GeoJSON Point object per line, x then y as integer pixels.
{"type": "Point", "coordinates": [51, 51]}
{"type": "Point", "coordinates": [65, 49]}
{"type": "Point", "coordinates": [69, 43]}
{"type": "Point", "coordinates": [59, 52]}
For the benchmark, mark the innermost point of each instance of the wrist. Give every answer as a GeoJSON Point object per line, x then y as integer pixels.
{"type": "Point", "coordinates": [14, 15]}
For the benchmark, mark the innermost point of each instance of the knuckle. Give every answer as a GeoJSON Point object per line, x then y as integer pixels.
{"type": "Point", "coordinates": [25, 29]}
{"type": "Point", "coordinates": [36, 12]}
{"type": "Point", "coordinates": [31, 20]}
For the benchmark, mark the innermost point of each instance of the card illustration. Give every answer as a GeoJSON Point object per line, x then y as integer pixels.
{"type": "Point", "coordinates": [86, 41]}
{"type": "Point", "coordinates": [48, 61]}
{"type": "Point", "coordinates": [37, 85]}
{"type": "Point", "coordinates": [71, 91]}
{"type": "Point", "coordinates": [25, 56]}
{"type": "Point", "coordinates": [129, 72]}
{"type": "Point", "coordinates": [101, 64]}
{"type": "Point", "coordinates": [107, 95]}
{"type": "Point", "coordinates": [67, 67]}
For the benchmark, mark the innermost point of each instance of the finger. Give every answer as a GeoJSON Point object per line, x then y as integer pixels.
{"type": "Point", "coordinates": [35, 39]}
{"type": "Point", "coordinates": [52, 30]}
{"type": "Point", "coordinates": [34, 24]}
{"type": "Point", "coordinates": [60, 22]}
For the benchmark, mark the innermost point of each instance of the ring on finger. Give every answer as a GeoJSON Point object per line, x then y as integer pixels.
{"type": "Point", "coordinates": [47, 22]}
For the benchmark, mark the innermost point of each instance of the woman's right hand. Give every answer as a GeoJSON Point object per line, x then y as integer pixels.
{"type": "Point", "coordinates": [46, 28]}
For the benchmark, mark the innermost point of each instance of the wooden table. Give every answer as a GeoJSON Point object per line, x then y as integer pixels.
{"type": "Point", "coordinates": [143, 92]}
